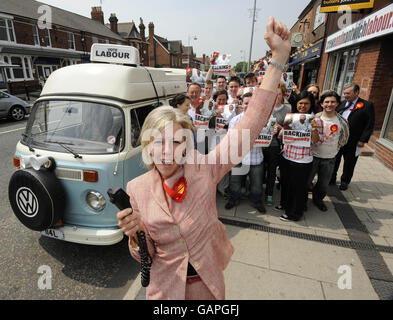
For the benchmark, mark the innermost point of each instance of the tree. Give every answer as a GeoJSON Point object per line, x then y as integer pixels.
{"type": "Point", "coordinates": [239, 66]}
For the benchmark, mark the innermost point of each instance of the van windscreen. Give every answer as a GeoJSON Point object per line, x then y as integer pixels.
{"type": "Point", "coordinates": [84, 127]}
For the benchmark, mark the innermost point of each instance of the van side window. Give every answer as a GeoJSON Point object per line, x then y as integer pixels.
{"type": "Point", "coordinates": [143, 112]}
{"type": "Point", "coordinates": [135, 129]}
{"type": "Point", "coordinates": [138, 117]}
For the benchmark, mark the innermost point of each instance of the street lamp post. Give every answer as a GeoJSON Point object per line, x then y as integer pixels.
{"type": "Point", "coordinates": [252, 33]}
{"type": "Point", "coordinates": [189, 47]}
{"type": "Point", "coordinates": [243, 57]}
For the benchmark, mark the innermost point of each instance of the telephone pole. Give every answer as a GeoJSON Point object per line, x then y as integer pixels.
{"type": "Point", "coordinates": [252, 34]}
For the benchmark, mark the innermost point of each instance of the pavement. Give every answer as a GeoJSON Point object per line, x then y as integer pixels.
{"type": "Point", "coordinates": [344, 253]}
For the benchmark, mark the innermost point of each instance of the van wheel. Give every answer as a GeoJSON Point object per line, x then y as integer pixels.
{"type": "Point", "coordinates": [37, 198]}
{"type": "Point", "coordinates": [17, 113]}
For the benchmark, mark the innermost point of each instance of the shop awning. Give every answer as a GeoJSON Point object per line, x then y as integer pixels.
{"type": "Point", "coordinates": [307, 54]}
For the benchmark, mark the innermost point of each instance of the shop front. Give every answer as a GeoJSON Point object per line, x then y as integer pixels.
{"type": "Point", "coordinates": [305, 65]}
{"type": "Point", "coordinates": [362, 53]}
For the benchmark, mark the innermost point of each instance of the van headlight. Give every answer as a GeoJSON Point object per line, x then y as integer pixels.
{"type": "Point", "coordinates": [95, 200]}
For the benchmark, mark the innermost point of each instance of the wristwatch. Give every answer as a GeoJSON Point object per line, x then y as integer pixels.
{"type": "Point", "coordinates": [283, 68]}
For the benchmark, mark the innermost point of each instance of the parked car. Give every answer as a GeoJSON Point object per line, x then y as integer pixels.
{"type": "Point", "coordinates": [13, 107]}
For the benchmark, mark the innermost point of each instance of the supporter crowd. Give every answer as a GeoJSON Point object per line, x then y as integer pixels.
{"type": "Point", "coordinates": [299, 150]}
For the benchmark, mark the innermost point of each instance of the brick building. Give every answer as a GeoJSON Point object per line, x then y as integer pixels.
{"type": "Point", "coordinates": [306, 58]}
{"type": "Point", "coordinates": [163, 52]}
{"type": "Point", "coordinates": [34, 52]}
{"type": "Point", "coordinates": [362, 52]}
{"type": "Point", "coordinates": [135, 38]}
{"type": "Point", "coordinates": [189, 58]}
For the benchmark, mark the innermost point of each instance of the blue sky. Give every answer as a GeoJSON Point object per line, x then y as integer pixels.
{"type": "Point", "coordinates": [219, 25]}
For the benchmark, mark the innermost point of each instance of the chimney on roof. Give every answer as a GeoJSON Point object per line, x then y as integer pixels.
{"type": "Point", "coordinates": [113, 20]}
{"type": "Point", "coordinates": [142, 29]}
{"type": "Point", "coordinates": [97, 14]}
{"type": "Point", "coordinates": [151, 32]}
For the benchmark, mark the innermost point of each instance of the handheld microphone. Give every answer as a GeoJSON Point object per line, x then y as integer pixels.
{"type": "Point", "coordinates": [121, 200]}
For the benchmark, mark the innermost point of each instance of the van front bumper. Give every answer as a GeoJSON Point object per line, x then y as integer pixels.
{"type": "Point", "coordinates": [100, 237]}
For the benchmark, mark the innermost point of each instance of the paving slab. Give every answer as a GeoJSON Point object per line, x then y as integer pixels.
{"type": "Point", "coordinates": [313, 260]}
{"type": "Point", "coordinates": [251, 246]}
{"type": "Point", "coordinates": [249, 282]}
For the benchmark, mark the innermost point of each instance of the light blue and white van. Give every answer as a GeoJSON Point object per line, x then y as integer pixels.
{"type": "Point", "coordinates": [81, 139]}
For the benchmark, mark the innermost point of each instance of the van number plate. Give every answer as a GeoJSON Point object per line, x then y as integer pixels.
{"type": "Point", "coordinates": [53, 233]}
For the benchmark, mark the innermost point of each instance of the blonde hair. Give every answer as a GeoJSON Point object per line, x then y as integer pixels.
{"type": "Point", "coordinates": [155, 123]}
{"type": "Point", "coordinates": [282, 87]}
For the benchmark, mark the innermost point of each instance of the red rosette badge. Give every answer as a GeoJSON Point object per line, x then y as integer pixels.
{"type": "Point", "coordinates": [358, 105]}
{"type": "Point", "coordinates": [333, 129]}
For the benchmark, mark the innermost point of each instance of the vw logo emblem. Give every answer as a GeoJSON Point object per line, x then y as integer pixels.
{"type": "Point", "coordinates": [27, 202]}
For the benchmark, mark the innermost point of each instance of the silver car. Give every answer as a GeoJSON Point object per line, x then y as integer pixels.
{"type": "Point", "coordinates": [13, 107]}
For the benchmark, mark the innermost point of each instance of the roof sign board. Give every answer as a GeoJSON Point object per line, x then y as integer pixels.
{"type": "Point", "coordinates": [112, 53]}
{"type": "Point", "coordinates": [374, 25]}
{"type": "Point", "coordinates": [334, 5]}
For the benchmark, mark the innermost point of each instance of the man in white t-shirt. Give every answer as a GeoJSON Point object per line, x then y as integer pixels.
{"type": "Point", "coordinates": [335, 133]}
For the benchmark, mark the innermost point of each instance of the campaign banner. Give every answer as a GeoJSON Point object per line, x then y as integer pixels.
{"type": "Point", "coordinates": [334, 5]}
{"type": "Point", "coordinates": [374, 25]}
{"type": "Point", "coordinates": [221, 64]}
{"type": "Point", "coordinates": [220, 123]}
{"type": "Point", "coordinates": [297, 129]}
{"type": "Point", "coordinates": [265, 138]}
{"type": "Point", "coordinates": [222, 70]}
{"type": "Point", "coordinates": [201, 122]}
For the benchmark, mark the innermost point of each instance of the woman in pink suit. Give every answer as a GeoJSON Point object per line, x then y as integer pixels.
{"type": "Point", "coordinates": [175, 202]}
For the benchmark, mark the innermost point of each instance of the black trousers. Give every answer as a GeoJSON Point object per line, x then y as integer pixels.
{"type": "Point", "coordinates": [294, 188]}
{"type": "Point", "coordinates": [348, 153]}
{"type": "Point", "coordinates": [271, 159]}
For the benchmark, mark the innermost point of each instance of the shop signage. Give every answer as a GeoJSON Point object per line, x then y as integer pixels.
{"type": "Point", "coordinates": [334, 5]}
{"type": "Point", "coordinates": [307, 54]}
{"type": "Point", "coordinates": [375, 25]}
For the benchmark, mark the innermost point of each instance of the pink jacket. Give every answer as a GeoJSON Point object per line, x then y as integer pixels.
{"type": "Point", "coordinates": [190, 231]}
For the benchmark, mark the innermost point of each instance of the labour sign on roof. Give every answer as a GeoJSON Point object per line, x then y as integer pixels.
{"type": "Point", "coordinates": [113, 53]}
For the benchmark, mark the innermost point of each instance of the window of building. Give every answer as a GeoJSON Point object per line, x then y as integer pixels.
{"type": "Point", "coordinates": [27, 67]}
{"type": "Point", "coordinates": [17, 71]}
{"type": "Point", "coordinates": [48, 42]}
{"type": "Point", "coordinates": [387, 128]}
{"type": "Point", "coordinates": [341, 69]}
{"type": "Point", "coordinates": [22, 71]}
{"type": "Point", "coordinates": [36, 36]}
{"type": "Point", "coordinates": [71, 40]}
{"type": "Point", "coordinates": [94, 39]}
{"type": "Point", "coordinates": [7, 32]}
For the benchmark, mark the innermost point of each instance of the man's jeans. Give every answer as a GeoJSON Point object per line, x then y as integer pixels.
{"type": "Point", "coordinates": [324, 168]}
{"type": "Point", "coordinates": [256, 187]}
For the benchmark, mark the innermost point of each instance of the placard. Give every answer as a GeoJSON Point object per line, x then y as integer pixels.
{"type": "Point", "coordinates": [297, 129]}
{"type": "Point", "coordinates": [265, 138]}
{"type": "Point", "coordinates": [220, 123]}
{"type": "Point", "coordinates": [201, 122]}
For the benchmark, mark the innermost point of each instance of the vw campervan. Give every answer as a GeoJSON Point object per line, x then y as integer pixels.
{"type": "Point", "coordinates": [81, 139]}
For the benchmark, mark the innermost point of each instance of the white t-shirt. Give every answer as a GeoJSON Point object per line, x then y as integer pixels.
{"type": "Point", "coordinates": [327, 147]}
{"type": "Point", "coordinates": [191, 112]}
